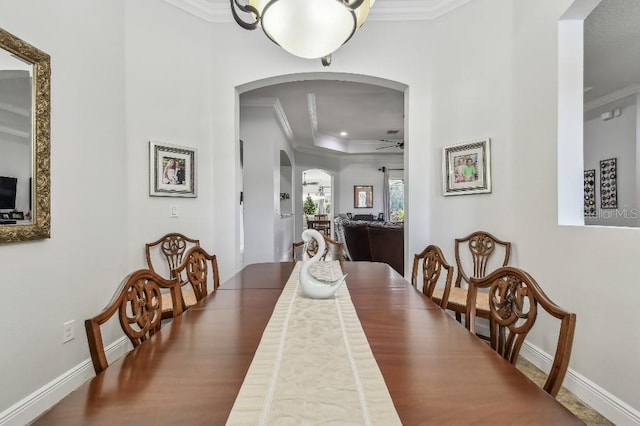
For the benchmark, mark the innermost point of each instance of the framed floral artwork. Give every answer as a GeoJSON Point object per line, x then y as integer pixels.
{"type": "Point", "coordinates": [172, 170]}
{"type": "Point", "coordinates": [466, 167]}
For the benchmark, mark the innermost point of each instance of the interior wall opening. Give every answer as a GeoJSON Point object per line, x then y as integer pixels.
{"type": "Point", "coordinates": [347, 159]}
{"type": "Point", "coordinates": [598, 118]}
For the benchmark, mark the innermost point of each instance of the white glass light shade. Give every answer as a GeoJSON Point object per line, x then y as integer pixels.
{"type": "Point", "coordinates": [363, 11]}
{"type": "Point", "coordinates": [309, 28]}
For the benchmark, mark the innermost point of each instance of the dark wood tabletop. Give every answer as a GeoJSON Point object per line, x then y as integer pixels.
{"type": "Point", "coordinates": [191, 371]}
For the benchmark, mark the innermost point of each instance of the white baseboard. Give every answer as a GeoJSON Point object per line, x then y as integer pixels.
{"type": "Point", "coordinates": [30, 407]}
{"type": "Point", "coordinates": [599, 399]}
{"type": "Point", "coordinates": [605, 403]}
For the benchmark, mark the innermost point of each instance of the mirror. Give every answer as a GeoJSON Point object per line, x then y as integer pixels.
{"type": "Point", "coordinates": [25, 111]}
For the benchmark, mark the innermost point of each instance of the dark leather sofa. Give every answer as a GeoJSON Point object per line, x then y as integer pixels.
{"type": "Point", "coordinates": [376, 242]}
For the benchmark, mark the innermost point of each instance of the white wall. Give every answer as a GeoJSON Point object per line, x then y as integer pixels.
{"type": "Point", "coordinates": [257, 131]}
{"type": "Point", "coordinates": [497, 75]}
{"type": "Point", "coordinates": [363, 170]}
{"type": "Point", "coordinates": [286, 174]}
{"type": "Point", "coordinates": [614, 138]}
{"type": "Point", "coordinates": [285, 224]}
{"type": "Point", "coordinates": [268, 236]}
{"type": "Point", "coordinates": [71, 275]}
{"type": "Point", "coordinates": [168, 64]}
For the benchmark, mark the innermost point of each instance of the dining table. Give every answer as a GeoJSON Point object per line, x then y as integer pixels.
{"type": "Point", "coordinates": [191, 371]}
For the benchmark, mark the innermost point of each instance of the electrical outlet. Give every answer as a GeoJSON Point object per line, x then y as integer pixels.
{"type": "Point", "coordinates": [67, 331]}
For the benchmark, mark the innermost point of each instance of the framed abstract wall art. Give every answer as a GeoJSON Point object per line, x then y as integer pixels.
{"type": "Point", "coordinates": [363, 196]}
{"type": "Point", "coordinates": [172, 170]}
{"type": "Point", "coordinates": [609, 184]}
{"type": "Point", "coordinates": [466, 168]}
{"type": "Point", "coordinates": [590, 193]}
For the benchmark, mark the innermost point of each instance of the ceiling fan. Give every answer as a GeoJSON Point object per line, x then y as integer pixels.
{"type": "Point", "coordinates": [393, 144]}
{"type": "Point", "coordinates": [304, 180]}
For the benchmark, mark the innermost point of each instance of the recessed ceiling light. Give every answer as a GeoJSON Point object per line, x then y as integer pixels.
{"type": "Point", "coordinates": [343, 133]}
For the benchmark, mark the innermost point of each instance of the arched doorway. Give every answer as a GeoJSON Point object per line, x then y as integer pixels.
{"type": "Point", "coordinates": [349, 159]}
{"type": "Point", "coordinates": [317, 198]}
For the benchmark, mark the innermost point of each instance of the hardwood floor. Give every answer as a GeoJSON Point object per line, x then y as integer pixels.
{"type": "Point", "coordinates": [566, 398]}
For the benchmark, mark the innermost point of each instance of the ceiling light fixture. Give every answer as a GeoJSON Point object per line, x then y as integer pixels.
{"type": "Point", "coordinates": [308, 29]}
{"type": "Point", "coordinates": [343, 133]}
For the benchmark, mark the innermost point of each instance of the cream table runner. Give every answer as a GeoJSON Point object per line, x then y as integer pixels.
{"type": "Point", "coordinates": [314, 365]}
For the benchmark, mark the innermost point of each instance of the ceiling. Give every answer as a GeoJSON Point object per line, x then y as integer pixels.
{"type": "Point", "coordinates": [383, 10]}
{"type": "Point", "coordinates": [337, 117]}
{"type": "Point", "coordinates": [612, 49]}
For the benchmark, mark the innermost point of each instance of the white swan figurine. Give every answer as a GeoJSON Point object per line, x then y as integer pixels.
{"type": "Point", "coordinates": [311, 286]}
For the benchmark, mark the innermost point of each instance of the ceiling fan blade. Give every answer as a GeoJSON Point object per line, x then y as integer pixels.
{"type": "Point", "coordinates": [394, 143]}
{"type": "Point", "coordinates": [304, 180]}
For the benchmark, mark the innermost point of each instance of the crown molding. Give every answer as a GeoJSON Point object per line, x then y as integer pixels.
{"type": "Point", "coordinates": [412, 10]}
{"type": "Point", "coordinates": [15, 132]}
{"type": "Point", "coordinates": [277, 106]}
{"type": "Point", "coordinates": [204, 9]}
{"type": "Point", "coordinates": [384, 10]}
{"type": "Point", "coordinates": [15, 110]}
{"type": "Point", "coordinates": [612, 97]}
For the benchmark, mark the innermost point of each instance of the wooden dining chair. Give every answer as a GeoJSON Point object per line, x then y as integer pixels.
{"type": "Point", "coordinates": [473, 255]}
{"type": "Point", "coordinates": [139, 304]}
{"type": "Point", "coordinates": [322, 224]}
{"type": "Point", "coordinates": [334, 250]}
{"type": "Point", "coordinates": [198, 267]}
{"type": "Point", "coordinates": [300, 252]}
{"type": "Point", "coordinates": [171, 248]}
{"type": "Point", "coordinates": [514, 297]}
{"type": "Point", "coordinates": [433, 263]}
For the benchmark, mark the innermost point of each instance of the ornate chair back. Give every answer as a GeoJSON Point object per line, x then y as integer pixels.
{"type": "Point", "coordinates": [334, 250]}
{"type": "Point", "coordinates": [480, 246]}
{"type": "Point", "coordinates": [514, 297]}
{"type": "Point", "coordinates": [171, 248]}
{"type": "Point", "coordinates": [433, 263]}
{"type": "Point", "coordinates": [324, 227]}
{"type": "Point", "coordinates": [198, 266]}
{"type": "Point", "coordinates": [138, 301]}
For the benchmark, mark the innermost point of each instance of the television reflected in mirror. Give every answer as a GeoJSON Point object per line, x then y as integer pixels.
{"type": "Point", "coordinates": [8, 193]}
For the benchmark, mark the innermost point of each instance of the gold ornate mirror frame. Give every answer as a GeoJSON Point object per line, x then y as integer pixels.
{"type": "Point", "coordinates": [40, 226]}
